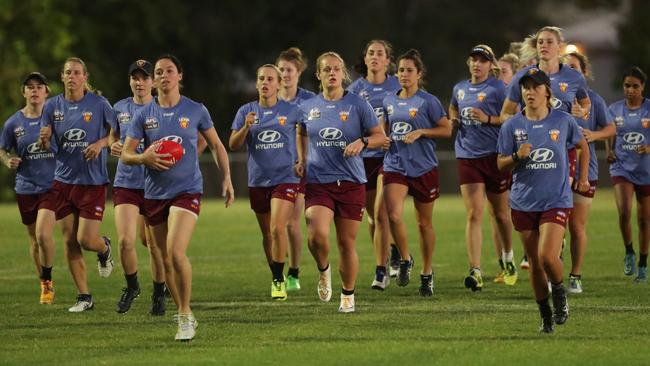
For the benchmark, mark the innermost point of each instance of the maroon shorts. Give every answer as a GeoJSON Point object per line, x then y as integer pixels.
{"type": "Point", "coordinates": [424, 188]}
{"type": "Point", "coordinates": [84, 200]}
{"type": "Point", "coordinates": [484, 170]}
{"type": "Point", "coordinates": [372, 166]}
{"type": "Point", "coordinates": [590, 193]}
{"type": "Point", "coordinates": [529, 221]}
{"type": "Point", "coordinates": [128, 196]}
{"type": "Point", "coordinates": [157, 211]}
{"type": "Point", "coordinates": [260, 197]}
{"type": "Point", "coordinates": [572, 155]}
{"type": "Point", "coordinates": [346, 199]}
{"type": "Point", "coordinates": [28, 205]}
{"type": "Point", "coordinates": [641, 190]}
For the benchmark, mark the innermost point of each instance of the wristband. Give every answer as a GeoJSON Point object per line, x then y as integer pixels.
{"type": "Point", "coordinates": [364, 140]}
{"type": "Point", "coordinates": [489, 119]}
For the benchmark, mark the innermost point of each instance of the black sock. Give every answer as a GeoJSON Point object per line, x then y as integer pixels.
{"type": "Point", "coordinates": [323, 269]}
{"type": "Point", "coordinates": [544, 307]}
{"type": "Point", "coordinates": [86, 297]}
{"type": "Point", "coordinates": [643, 260]}
{"type": "Point", "coordinates": [158, 288]}
{"type": "Point", "coordinates": [557, 288]}
{"type": "Point", "coordinates": [380, 269]}
{"type": "Point", "coordinates": [294, 272]}
{"type": "Point", "coordinates": [501, 265]}
{"type": "Point", "coordinates": [347, 292]}
{"type": "Point", "coordinates": [46, 273]}
{"type": "Point", "coordinates": [576, 276]}
{"type": "Point", "coordinates": [132, 280]}
{"type": "Point", "coordinates": [278, 270]}
{"type": "Point", "coordinates": [629, 249]}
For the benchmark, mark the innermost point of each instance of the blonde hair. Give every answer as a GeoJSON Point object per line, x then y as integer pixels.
{"type": "Point", "coordinates": [511, 59]}
{"type": "Point", "coordinates": [495, 70]}
{"type": "Point", "coordinates": [271, 66]}
{"type": "Point", "coordinates": [532, 39]}
{"type": "Point", "coordinates": [295, 56]}
{"type": "Point", "coordinates": [86, 85]}
{"type": "Point", "coordinates": [346, 73]}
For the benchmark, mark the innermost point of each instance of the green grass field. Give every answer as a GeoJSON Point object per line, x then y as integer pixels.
{"type": "Point", "coordinates": [240, 325]}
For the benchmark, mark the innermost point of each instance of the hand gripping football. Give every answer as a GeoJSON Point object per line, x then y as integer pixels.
{"type": "Point", "coordinates": [171, 147]}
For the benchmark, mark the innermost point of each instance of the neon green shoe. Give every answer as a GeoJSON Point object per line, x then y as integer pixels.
{"type": "Point", "coordinates": [510, 276]}
{"type": "Point", "coordinates": [293, 283]}
{"type": "Point", "coordinates": [279, 290]}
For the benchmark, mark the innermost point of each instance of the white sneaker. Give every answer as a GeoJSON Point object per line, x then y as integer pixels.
{"type": "Point", "coordinates": [186, 327]}
{"type": "Point", "coordinates": [380, 282]}
{"type": "Point", "coordinates": [105, 261]}
{"type": "Point", "coordinates": [347, 304]}
{"type": "Point", "coordinates": [81, 305]}
{"type": "Point", "coordinates": [325, 285]}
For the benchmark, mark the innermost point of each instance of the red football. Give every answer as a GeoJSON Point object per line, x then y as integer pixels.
{"type": "Point", "coordinates": [171, 147]}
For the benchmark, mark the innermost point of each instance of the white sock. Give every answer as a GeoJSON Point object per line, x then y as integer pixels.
{"type": "Point", "coordinates": [507, 256]}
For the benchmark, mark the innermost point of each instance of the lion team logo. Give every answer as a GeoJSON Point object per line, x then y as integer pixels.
{"type": "Point", "coordinates": [87, 116]}
{"type": "Point", "coordinates": [344, 115]}
{"type": "Point", "coordinates": [480, 97]}
{"type": "Point", "coordinates": [645, 122]}
{"type": "Point", "coordinates": [413, 112]}
{"type": "Point", "coordinates": [563, 87]}
{"type": "Point", "coordinates": [282, 120]}
{"type": "Point", "coordinates": [555, 134]}
{"type": "Point", "coordinates": [140, 63]}
{"type": "Point", "coordinates": [460, 95]}
{"type": "Point", "coordinates": [184, 122]}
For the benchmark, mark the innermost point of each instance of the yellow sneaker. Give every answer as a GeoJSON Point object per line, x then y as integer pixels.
{"type": "Point", "coordinates": [500, 277]}
{"type": "Point", "coordinates": [47, 292]}
{"type": "Point", "coordinates": [510, 276]}
{"type": "Point", "coordinates": [279, 290]}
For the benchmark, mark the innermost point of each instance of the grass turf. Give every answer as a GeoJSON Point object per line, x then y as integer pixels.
{"type": "Point", "coordinates": [239, 324]}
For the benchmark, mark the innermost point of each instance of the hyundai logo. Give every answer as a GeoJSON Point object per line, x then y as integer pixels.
{"type": "Point", "coordinates": [330, 133]}
{"type": "Point", "coordinates": [541, 155]}
{"type": "Point", "coordinates": [466, 112]}
{"type": "Point", "coordinates": [633, 138]}
{"type": "Point", "coordinates": [268, 136]}
{"type": "Point", "coordinates": [401, 128]}
{"type": "Point", "coordinates": [34, 148]}
{"type": "Point", "coordinates": [174, 138]}
{"type": "Point", "coordinates": [75, 134]}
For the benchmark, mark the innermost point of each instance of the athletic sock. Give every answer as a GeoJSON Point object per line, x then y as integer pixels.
{"type": "Point", "coordinates": [544, 307]}
{"type": "Point", "coordinates": [323, 269]}
{"type": "Point", "coordinates": [294, 272]}
{"type": "Point", "coordinates": [501, 265]}
{"type": "Point", "coordinates": [347, 292]}
{"type": "Point", "coordinates": [158, 288]}
{"type": "Point", "coordinates": [132, 280]}
{"type": "Point", "coordinates": [380, 269]}
{"type": "Point", "coordinates": [629, 249]}
{"type": "Point", "coordinates": [643, 260]}
{"type": "Point", "coordinates": [278, 270]}
{"type": "Point", "coordinates": [508, 256]}
{"type": "Point", "coordinates": [46, 273]}
{"type": "Point", "coordinates": [555, 287]}
{"type": "Point", "coordinates": [85, 297]}
{"type": "Point", "coordinates": [476, 271]}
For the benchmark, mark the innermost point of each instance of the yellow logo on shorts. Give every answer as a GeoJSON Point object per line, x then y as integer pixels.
{"type": "Point", "coordinates": [184, 122]}
{"type": "Point", "coordinates": [87, 116]}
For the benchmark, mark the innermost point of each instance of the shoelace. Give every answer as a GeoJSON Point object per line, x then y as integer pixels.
{"type": "Point", "coordinates": [125, 294]}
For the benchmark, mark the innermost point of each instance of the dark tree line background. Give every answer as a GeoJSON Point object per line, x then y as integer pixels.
{"type": "Point", "coordinates": [222, 43]}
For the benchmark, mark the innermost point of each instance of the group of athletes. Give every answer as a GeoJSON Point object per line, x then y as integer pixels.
{"type": "Point", "coordinates": [525, 128]}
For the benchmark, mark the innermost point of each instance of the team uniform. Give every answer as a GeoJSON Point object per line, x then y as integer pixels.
{"type": "Point", "coordinates": [35, 173]}
{"type": "Point", "coordinates": [540, 190]}
{"type": "Point", "coordinates": [271, 143]}
{"type": "Point", "coordinates": [182, 184]}
{"type": "Point", "coordinates": [335, 181]}
{"type": "Point", "coordinates": [566, 85]}
{"type": "Point", "coordinates": [374, 94]}
{"type": "Point", "coordinates": [79, 185]}
{"type": "Point", "coordinates": [632, 131]}
{"type": "Point", "coordinates": [128, 185]}
{"type": "Point", "coordinates": [302, 95]}
{"type": "Point", "coordinates": [475, 144]}
{"type": "Point", "coordinates": [414, 165]}
{"type": "Point", "coordinates": [599, 118]}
